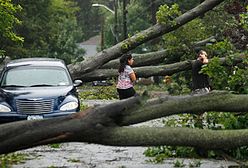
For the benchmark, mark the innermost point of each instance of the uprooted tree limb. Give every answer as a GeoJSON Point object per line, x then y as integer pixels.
{"type": "Point", "coordinates": [148, 71]}
{"type": "Point", "coordinates": [147, 59]}
{"type": "Point", "coordinates": [103, 124]}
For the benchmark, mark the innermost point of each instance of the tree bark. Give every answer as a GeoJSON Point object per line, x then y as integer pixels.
{"type": "Point", "coordinates": [152, 58]}
{"type": "Point", "coordinates": [103, 124]}
{"type": "Point", "coordinates": [211, 39]}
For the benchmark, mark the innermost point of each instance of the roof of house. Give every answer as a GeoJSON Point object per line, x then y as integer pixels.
{"type": "Point", "coordinates": [95, 40]}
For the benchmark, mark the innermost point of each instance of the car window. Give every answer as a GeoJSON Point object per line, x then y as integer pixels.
{"type": "Point", "coordinates": [36, 76]}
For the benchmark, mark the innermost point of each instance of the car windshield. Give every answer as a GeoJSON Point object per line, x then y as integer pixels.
{"type": "Point", "coordinates": [28, 76]}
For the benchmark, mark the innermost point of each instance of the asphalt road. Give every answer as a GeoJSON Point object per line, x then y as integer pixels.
{"type": "Point", "coordinates": [83, 155]}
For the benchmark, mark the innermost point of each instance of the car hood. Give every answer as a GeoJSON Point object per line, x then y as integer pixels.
{"type": "Point", "coordinates": [35, 92]}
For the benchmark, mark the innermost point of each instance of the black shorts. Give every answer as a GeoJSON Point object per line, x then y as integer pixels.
{"type": "Point", "coordinates": [126, 93]}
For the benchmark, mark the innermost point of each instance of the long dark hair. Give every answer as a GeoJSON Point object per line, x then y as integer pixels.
{"type": "Point", "coordinates": [124, 61]}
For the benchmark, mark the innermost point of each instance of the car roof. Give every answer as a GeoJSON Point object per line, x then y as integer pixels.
{"type": "Point", "coordinates": [36, 62]}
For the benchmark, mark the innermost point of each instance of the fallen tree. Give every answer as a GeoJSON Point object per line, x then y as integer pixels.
{"type": "Point", "coordinates": [109, 125]}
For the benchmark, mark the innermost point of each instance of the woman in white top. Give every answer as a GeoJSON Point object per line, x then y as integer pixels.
{"type": "Point", "coordinates": [126, 77]}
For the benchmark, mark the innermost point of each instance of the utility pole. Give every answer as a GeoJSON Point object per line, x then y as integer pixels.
{"type": "Point", "coordinates": [115, 24]}
{"type": "Point", "coordinates": [103, 22]}
{"type": "Point", "coordinates": [124, 20]}
{"type": "Point", "coordinates": [156, 40]}
{"type": "Point", "coordinates": [153, 11]}
{"type": "Point", "coordinates": [102, 33]}
{"type": "Point", "coordinates": [154, 8]}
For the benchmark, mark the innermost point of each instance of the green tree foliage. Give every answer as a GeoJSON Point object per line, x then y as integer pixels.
{"type": "Point", "coordinates": [244, 19]}
{"type": "Point", "coordinates": [166, 14]}
{"type": "Point", "coordinates": [237, 33]}
{"type": "Point", "coordinates": [7, 22]}
{"type": "Point", "coordinates": [88, 18]}
{"type": "Point", "coordinates": [64, 31]}
{"type": "Point", "coordinates": [49, 29]}
{"type": "Point", "coordinates": [233, 78]}
{"type": "Point", "coordinates": [214, 69]}
{"type": "Point", "coordinates": [180, 42]}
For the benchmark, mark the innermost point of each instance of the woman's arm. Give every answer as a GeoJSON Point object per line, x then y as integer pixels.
{"type": "Point", "coordinates": [132, 76]}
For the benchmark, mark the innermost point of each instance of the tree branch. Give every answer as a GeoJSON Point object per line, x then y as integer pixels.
{"type": "Point", "coordinates": [148, 136]}
{"type": "Point", "coordinates": [171, 105]}
{"type": "Point", "coordinates": [148, 71]}
{"type": "Point", "coordinates": [147, 59]}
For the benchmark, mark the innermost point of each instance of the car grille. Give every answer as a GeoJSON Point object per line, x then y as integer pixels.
{"type": "Point", "coordinates": [34, 106]}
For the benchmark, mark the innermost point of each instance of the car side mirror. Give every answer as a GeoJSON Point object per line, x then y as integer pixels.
{"type": "Point", "coordinates": [77, 83]}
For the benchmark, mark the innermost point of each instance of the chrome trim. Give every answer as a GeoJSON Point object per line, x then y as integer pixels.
{"type": "Point", "coordinates": [34, 106]}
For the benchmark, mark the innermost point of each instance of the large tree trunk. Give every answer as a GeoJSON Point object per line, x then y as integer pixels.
{"type": "Point", "coordinates": [141, 72]}
{"type": "Point", "coordinates": [148, 71]}
{"type": "Point", "coordinates": [103, 124]}
{"type": "Point", "coordinates": [152, 58]}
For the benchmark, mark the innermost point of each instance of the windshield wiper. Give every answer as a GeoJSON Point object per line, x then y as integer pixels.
{"type": "Point", "coordinates": [4, 86]}
{"type": "Point", "coordinates": [41, 85]}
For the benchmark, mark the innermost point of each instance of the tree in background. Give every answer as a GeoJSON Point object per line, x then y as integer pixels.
{"type": "Point", "coordinates": [88, 19]}
{"type": "Point", "coordinates": [65, 32]}
{"type": "Point", "coordinates": [8, 20]}
{"type": "Point", "coordinates": [49, 29]}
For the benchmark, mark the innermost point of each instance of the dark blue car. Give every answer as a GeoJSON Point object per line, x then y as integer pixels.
{"type": "Point", "coordinates": [37, 88]}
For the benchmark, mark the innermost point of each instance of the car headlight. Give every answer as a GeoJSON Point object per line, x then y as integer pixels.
{"type": "Point", "coordinates": [69, 106]}
{"type": "Point", "coordinates": [4, 108]}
